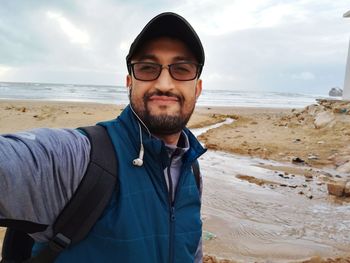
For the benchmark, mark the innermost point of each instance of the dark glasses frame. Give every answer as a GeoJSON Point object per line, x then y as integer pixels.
{"type": "Point", "coordinates": [131, 68]}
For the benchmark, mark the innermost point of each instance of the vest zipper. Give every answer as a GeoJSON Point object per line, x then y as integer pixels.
{"type": "Point", "coordinates": [172, 213]}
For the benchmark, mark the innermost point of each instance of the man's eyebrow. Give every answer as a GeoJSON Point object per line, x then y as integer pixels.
{"type": "Point", "coordinates": [147, 56]}
{"type": "Point", "coordinates": [154, 58]}
{"type": "Point", "coordinates": [182, 58]}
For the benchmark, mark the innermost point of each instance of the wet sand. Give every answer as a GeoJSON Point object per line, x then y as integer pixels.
{"type": "Point", "coordinates": [254, 210]}
{"type": "Point", "coordinates": [278, 211]}
{"type": "Point", "coordinates": [253, 214]}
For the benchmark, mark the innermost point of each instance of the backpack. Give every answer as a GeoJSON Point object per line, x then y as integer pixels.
{"type": "Point", "coordinates": [82, 211]}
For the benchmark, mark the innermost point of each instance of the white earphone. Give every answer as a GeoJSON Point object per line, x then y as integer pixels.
{"type": "Point", "coordinates": [139, 161]}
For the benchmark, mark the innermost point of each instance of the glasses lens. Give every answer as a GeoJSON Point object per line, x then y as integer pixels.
{"type": "Point", "coordinates": [146, 71]}
{"type": "Point", "coordinates": [183, 71]}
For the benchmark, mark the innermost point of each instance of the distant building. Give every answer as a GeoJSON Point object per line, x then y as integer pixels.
{"type": "Point", "coordinates": [346, 89]}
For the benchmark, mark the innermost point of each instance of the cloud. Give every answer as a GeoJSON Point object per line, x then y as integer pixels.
{"type": "Point", "coordinates": [228, 16]}
{"type": "Point", "coordinates": [304, 76]}
{"type": "Point", "coordinates": [4, 71]}
{"type": "Point", "coordinates": [74, 34]}
{"type": "Point", "coordinates": [256, 44]}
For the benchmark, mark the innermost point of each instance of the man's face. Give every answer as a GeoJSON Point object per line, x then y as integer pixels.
{"type": "Point", "coordinates": [165, 104]}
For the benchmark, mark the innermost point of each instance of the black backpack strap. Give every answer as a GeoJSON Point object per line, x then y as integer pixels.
{"type": "Point", "coordinates": [17, 246]}
{"type": "Point", "coordinates": [197, 174]}
{"type": "Point", "coordinates": [89, 200]}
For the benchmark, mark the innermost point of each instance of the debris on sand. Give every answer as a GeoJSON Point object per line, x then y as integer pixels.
{"type": "Point", "coordinates": [340, 188]}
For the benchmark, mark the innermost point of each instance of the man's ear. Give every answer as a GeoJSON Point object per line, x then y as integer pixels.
{"type": "Point", "coordinates": [198, 88]}
{"type": "Point", "coordinates": [128, 81]}
{"type": "Point", "coordinates": [129, 85]}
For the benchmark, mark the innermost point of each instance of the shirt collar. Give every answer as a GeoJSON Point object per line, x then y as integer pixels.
{"type": "Point", "coordinates": [182, 146]}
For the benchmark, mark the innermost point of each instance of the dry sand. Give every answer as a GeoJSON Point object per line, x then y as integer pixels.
{"type": "Point", "coordinates": [281, 135]}
{"type": "Point", "coordinates": [23, 115]}
{"type": "Point", "coordinates": [276, 134]}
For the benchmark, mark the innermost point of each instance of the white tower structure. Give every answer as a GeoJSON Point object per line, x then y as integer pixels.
{"type": "Point", "coordinates": [346, 88]}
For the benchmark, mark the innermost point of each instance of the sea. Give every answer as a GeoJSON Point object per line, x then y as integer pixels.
{"type": "Point", "coordinates": [118, 95]}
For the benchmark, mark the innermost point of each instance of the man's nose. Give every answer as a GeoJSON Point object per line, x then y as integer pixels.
{"type": "Point", "coordinates": [165, 80]}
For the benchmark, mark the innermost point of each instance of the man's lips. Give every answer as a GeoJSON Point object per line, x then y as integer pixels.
{"type": "Point", "coordinates": [163, 98]}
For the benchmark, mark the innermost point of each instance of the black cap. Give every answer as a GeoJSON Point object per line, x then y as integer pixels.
{"type": "Point", "coordinates": [171, 25]}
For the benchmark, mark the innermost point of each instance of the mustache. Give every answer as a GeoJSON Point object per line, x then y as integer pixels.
{"type": "Point", "coordinates": [147, 96]}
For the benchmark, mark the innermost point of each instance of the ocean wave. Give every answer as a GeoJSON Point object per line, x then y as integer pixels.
{"type": "Point", "coordinates": [118, 95]}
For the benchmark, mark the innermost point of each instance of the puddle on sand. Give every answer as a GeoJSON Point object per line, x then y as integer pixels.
{"type": "Point", "coordinates": [253, 223]}
{"type": "Point", "coordinates": [200, 131]}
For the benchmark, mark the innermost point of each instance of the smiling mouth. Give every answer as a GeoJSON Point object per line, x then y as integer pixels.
{"type": "Point", "coordinates": [164, 99]}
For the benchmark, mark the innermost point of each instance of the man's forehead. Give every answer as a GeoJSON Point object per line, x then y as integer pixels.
{"type": "Point", "coordinates": [175, 47]}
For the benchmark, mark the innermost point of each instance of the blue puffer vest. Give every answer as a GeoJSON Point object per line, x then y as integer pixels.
{"type": "Point", "coordinates": [141, 224]}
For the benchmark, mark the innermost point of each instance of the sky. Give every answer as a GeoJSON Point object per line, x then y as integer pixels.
{"type": "Point", "coordinates": [257, 45]}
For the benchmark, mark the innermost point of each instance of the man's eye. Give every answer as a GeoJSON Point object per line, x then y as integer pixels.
{"type": "Point", "coordinates": [183, 68]}
{"type": "Point", "coordinates": [147, 68]}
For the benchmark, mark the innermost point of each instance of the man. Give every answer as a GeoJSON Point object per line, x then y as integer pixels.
{"type": "Point", "coordinates": [156, 215]}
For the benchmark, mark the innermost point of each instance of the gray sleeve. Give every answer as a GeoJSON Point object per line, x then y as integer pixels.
{"type": "Point", "coordinates": [39, 172]}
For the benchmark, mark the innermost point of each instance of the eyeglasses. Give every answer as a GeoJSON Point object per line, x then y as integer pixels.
{"type": "Point", "coordinates": [148, 71]}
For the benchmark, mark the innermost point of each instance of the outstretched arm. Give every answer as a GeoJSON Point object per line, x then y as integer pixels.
{"type": "Point", "coordinates": [39, 172]}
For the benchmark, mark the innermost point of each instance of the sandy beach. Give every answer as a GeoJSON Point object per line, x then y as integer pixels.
{"type": "Point", "coordinates": [296, 157]}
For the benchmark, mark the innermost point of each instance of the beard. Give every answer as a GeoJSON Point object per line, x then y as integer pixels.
{"type": "Point", "coordinates": [163, 124]}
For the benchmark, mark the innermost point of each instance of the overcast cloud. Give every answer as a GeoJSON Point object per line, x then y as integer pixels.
{"type": "Point", "coordinates": [297, 45]}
